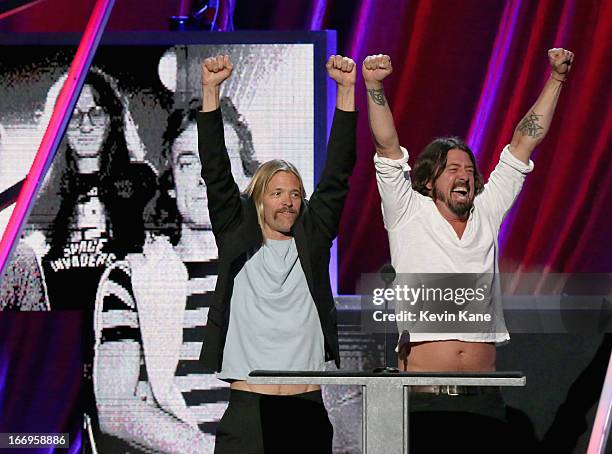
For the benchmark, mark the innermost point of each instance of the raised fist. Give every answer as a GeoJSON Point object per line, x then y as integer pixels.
{"type": "Point", "coordinates": [376, 67]}
{"type": "Point", "coordinates": [341, 69]}
{"type": "Point", "coordinates": [560, 61]}
{"type": "Point", "coordinates": [216, 69]}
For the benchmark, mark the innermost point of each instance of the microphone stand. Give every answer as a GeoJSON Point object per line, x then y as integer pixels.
{"type": "Point", "coordinates": [388, 274]}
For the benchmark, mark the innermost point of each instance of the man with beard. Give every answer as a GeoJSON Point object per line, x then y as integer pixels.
{"type": "Point", "coordinates": [446, 220]}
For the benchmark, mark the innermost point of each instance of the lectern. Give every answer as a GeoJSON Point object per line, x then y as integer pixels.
{"type": "Point", "coordinates": [386, 397]}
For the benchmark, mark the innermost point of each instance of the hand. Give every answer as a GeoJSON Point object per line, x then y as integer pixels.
{"type": "Point", "coordinates": [561, 62]}
{"type": "Point", "coordinates": [375, 68]}
{"type": "Point", "coordinates": [342, 70]}
{"type": "Point", "coordinates": [215, 70]}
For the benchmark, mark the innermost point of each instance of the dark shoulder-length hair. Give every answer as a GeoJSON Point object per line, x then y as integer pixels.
{"type": "Point", "coordinates": [431, 163]}
{"type": "Point", "coordinates": [128, 194]}
{"type": "Point", "coordinates": [180, 119]}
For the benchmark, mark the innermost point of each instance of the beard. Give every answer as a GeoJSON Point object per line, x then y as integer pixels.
{"type": "Point", "coordinates": [461, 209]}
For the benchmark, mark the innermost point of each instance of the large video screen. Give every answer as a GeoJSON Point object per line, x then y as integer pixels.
{"type": "Point", "coordinates": [125, 188]}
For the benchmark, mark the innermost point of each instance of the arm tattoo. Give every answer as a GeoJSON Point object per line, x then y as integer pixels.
{"type": "Point", "coordinates": [377, 95]}
{"type": "Point", "coordinates": [530, 126]}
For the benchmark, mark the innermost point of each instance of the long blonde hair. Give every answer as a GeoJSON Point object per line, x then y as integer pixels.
{"type": "Point", "coordinates": [259, 182]}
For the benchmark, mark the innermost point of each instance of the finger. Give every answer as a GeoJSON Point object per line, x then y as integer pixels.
{"type": "Point", "coordinates": [373, 63]}
{"type": "Point", "coordinates": [351, 65]}
{"type": "Point", "coordinates": [567, 58]}
{"type": "Point", "coordinates": [344, 66]}
{"type": "Point", "coordinates": [227, 62]}
{"type": "Point", "coordinates": [330, 62]}
{"type": "Point", "coordinates": [214, 66]}
{"type": "Point", "coordinates": [220, 62]}
{"type": "Point", "coordinates": [338, 62]}
{"type": "Point", "coordinates": [209, 64]}
{"type": "Point", "coordinates": [366, 62]}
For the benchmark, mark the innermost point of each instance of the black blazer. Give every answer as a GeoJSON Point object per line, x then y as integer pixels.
{"type": "Point", "coordinates": [234, 223]}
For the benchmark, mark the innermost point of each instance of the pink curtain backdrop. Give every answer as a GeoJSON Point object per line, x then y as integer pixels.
{"type": "Point", "coordinates": [469, 68]}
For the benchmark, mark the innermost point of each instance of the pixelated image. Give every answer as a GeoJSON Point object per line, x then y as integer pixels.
{"type": "Point", "coordinates": [120, 228]}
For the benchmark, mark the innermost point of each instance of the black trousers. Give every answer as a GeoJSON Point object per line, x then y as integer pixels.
{"type": "Point", "coordinates": [467, 423]}
{"type": "Point", "coordinates": [259, 423]}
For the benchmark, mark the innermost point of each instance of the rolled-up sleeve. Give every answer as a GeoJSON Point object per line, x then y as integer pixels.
{"type": "Point", "coordinates": [399, 200]}
{"type": "Point", "coordinates": [504, 185]}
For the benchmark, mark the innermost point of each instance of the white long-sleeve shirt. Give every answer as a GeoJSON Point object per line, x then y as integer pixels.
{"type": "Point", "coordinates": [422, 241]}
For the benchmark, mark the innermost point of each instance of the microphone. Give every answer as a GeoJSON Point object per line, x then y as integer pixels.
{"type": "Point", "coordinates": [388, 274]}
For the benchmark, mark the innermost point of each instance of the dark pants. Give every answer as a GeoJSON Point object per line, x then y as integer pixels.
{"type": "Point", "coordinates": [465, 423]}
{"type": "Point", "coordinates": [259, 423]}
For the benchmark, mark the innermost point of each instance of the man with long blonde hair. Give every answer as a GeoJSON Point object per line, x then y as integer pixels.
{"type": "Point", "coordinates": [273, 306]}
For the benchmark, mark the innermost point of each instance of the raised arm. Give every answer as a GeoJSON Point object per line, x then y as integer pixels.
{"type": "Point", "coordinates": [342, 71]}
{"type": "Point", "coordinates": [399, 201]}
{"type": "Point", "coordinates": [223, 193]}
{"type": "Point", "coordinates": [328, 199]}
{"type": "Point", "coordinates": [375, 68]}
{"type": "Point", "coordinates": [535, 124]}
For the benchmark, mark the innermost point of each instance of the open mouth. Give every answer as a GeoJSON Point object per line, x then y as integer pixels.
{"type": "Point", "coordinates": [460, 193]}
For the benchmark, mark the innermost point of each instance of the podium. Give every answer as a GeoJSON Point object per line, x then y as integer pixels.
{"type": "Point", "coordinates": [386, 397]}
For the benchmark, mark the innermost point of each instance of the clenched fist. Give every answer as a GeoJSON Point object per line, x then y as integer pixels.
{"type": "Point", "coordinates": [375, 68]}
{"type": "Point", "coordinates": [216, 69]}
{"type": "Point", "coordinates": [561, 62]}
{"type": "Point", "coordinates": [342, 70]}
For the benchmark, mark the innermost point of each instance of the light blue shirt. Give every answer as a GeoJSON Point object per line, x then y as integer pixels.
{"type": "Point", "coordinates": [274, 324]}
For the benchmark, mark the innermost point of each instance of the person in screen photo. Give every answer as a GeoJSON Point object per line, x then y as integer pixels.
{"type": "Point", "coordinates": [72, 209]}
{"type": "Point", "coordinates": [91, 205]}
{"type": "Point", "coordinates": [163, 294]}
